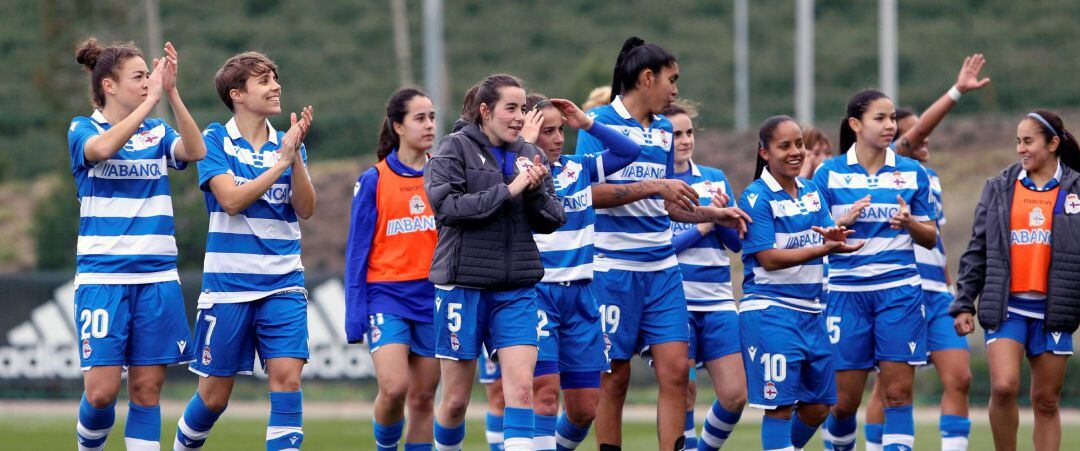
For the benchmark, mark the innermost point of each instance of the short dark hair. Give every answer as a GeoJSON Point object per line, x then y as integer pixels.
{"type": "Point", "coordinates": [235, 73]}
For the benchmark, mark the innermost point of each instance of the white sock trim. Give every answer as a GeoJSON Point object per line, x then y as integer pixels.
{"type": "Point", "coordinates": [189, 432]}
{"type": "Point", "coordinates": [898, 439]}
{"type": "Point", "coordinates": [565, 442]}
{"type": "Point", "coordinates": [544, 442]}
{"type": "Point", "coordinates": [136, 444]}
{"type": "Point", "coordinates": [273, 432]}
{"type": "Point", "coordinates": [494, 438]}
{"type": "Point", "coordinates": [717, 423]}
{"type": "Point", "coordinates": [518, 444]}
{"type": "Point", "coordinates": [91, 434]}
{"type": "Point", "coordinates": [954, 443]}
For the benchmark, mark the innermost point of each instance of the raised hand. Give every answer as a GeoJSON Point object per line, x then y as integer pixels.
{"type": "Point", "coordinates": [572, 114]}
{"type": "Point", "coordinates": [849, 217]}
{"type": "Point", "coordinates": [531, 130]}
{"type": "Point", "coordinates": [968, 79]}
{"type": "Point", "coordinates": [902, 219]}
{"type": "Point", "coordinates": [156, 85]}
{"type": "Point", "coordinates": [678, 192]}
{"type": "Point", "coordinates": [172, 61]}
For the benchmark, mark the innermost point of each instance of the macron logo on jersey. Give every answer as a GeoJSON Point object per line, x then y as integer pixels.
{"type": "Point", "coordinates": [752, 198]}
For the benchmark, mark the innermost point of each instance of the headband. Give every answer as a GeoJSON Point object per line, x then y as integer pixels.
{"type": "Point", "coordinates": [1039, 118]}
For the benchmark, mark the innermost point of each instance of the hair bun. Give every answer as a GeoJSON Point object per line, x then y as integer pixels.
{"type": "Point", "coordinates": [87, 53]}
{"type": "Point", "coordinates": [631, 42]}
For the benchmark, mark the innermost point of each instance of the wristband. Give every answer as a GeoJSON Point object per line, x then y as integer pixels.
{"type": "Point", "coordinates": [954, 94]}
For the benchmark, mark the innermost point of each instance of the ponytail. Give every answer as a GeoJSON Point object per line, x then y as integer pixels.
{"type": "Point", "coordinates": [858, 105]}
{"type": "Point", "coordinates": [635, 57]}
{"type": "Point", "coordinates": [396, 109]}
{"type": "Point", "coordinates": [765, 136]}
{"type": "Point", "coordinates": [1050, 126]}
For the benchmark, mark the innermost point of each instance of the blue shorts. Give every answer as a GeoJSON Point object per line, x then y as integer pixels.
{"type": "Point", "coordinates": [713, 335]}
{"type": "Point", "coordinates": [570, 330]}
{"type": "Point", "coordinates": [641, 309]}
{"type": "Point", "coordinates": [465, 318]}
{"type": "Point", "coordinates": [132, 325]}
{"type": "Point", "coordinates": [387, 328]}
{"type": "Point", "coordinates": [787, 358]}
{"type": "Point", "coordinates": [940, 333]}
{"type": "Point", "coordinates": [1030, 333]}
{"type": "Point", "coordinates": [228, 334]}
{"type": "Point", "coordinates": [870, 326]}
{"type": "Point", "coordinates": [488, 371]}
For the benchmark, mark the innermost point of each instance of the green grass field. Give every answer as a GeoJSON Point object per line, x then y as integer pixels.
{"type": "Point", "coordinates": [39, 433]}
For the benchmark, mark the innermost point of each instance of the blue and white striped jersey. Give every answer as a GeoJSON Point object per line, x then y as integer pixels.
{"type": "Point", "coordinates": [636, 236]}
{"type": "Point", "coordinates": [567, 253]}
{"type": "Point", "coordinates": [888, 258]}
{"type": "Point", "coordinates": [255, 253]}
{"type": "Point", "coordinates": [126, 233]}
{"type": "Point", "coordinates": [781, 222]}
{"type": "Point", "coordinates": [705, 265]}
{"type": "Point", "coordinates": [931, 262]}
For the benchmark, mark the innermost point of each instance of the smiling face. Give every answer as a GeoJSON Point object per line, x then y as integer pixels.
{"type": "Point", "coordinates": [877, 126]}
{"type": "Point", "coordinates": [1031, 146]}
{"type": "Point", "coordinates": [785, 152]}
{"type": "Point", "coordinates": [261, 94]}
{"type": "Point", "coordinates": [503, 120]}
{"type": "Point", "coordinates": [683, 128]}
{"type": "Point", "coordinates": [130, 86]}
{"type": "Point", "coordinates": [551, 138]}
{"type": "Point", "coordinates": [417, 128]}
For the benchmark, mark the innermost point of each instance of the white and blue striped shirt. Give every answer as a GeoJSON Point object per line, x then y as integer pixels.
{"type": "Point", "coordinates": [126, 233]}
{"type": "Point", "coordinates": [931, 262]}
{"type": "Point", "coordinates": [567, 253]}
{"type": "Point", "coordinates": [781, 222]}
{"type": "Point", "coordinates": [255, 253]}
{"type": "Point", "coordinates": [636, 236]}
{"type": "Point", "coordinates": [887, 259]}
{"type": "Point", "coordinates": [704, 262]}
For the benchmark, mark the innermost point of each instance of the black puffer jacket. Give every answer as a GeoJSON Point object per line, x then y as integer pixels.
{"type": "Point", "coordinates": [485, 236]}
{"type": "Point", "coordinates": [985, 266]}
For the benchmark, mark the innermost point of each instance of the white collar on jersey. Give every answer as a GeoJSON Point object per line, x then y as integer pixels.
{"type": "Point", "coordinates": [234, 132]}
{"type": "Point", "coordinates": [623, 112]}
{"type": "Point", "coordinates": [694, 171]}
{"type": "Point", "coordinates": [1057, 174]}
{"type": "Point", "coordinates": [890, 157]}
{"type": "Point", "coordinates": [774, 185]}
{"type": "Point", "coordinates": [99, 117]}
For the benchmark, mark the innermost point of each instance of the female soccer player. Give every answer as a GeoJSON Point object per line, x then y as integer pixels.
{"type": "Point", "coordinates": [948, 351]}
{"type": "Point", "coordinates": [706, 271]}
{"type": "Point", "coordinates": [256, 186]}
{"type": "Point", "coordinates": [388, 295]}
{"type": "Point", "coordinates": [1026, 304]}
{"type": "Point", "coordinates": [875, 297]}
{"type": "Point", "coordinates": [572, 350]}
{"type": "Point", "coordinates": [490, 191]}
{"type": "Point", "coordinates": [637, 281]}
{"type": "Point", "coordinates": [784, 341]}
{"type": "Point", "coordinates": [128, 304]}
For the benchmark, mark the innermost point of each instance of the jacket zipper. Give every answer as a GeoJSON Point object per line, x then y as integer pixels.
{"type": "Point", "coordinates": [1008, 247]}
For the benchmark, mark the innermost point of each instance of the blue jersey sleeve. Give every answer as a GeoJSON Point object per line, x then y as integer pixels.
{"type": "Point", "coordinates": [168, 144]}
{"type": "Point", "coordinates": [587, 143]}
{"type": "Point", "coordinates": [728, 235]}
{"type": "Point", "coordinates": [686, 239]}
{"type": "Point", "coordinates": [80, 131]}
{"type": "Point", "coordinates": [621, 150]}
{"type": "Point", "coordinates": [216, 161]}
{"type": "Point", "coordinates": [922, 203]}
{"type": "Point", "coordinates": [357, 249]}
{"type": "Point", "coordinates": [761, 234]}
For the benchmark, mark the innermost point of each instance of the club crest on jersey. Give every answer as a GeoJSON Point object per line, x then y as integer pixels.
{"type": "Point", "coordinates": [770, 391]}
{"type": "Point", "coordinates": [1036, 217]}
{"type": "Point", "coordinates": [376, 334]}
{"type": "Point", "coordinates": [568, 175]}
{"type": "Point", "coordinates": [86, 349]}
{"type": "Point", "coordinates": [898, 179]}
{"type": "Point", "coordinates": [665, 140]}
{"type": "Point", "coordinates": [416, 204]}
{"type": "Point", "coordinates": [523, 164]}
{"type": "Point", "coordinates": [812, 198]}
{"type": "Point", "coordinates": [206, 357]}
{"type": "Point", "coordinates": [454, 343]}
{"type": "Point", "coordinates": [1072, 204]}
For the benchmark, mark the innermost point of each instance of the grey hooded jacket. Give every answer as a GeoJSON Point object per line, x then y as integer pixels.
{"type": "Point", "coordinates": [485, 236]}
{"type": "Point", "coordinates": [985, 266]}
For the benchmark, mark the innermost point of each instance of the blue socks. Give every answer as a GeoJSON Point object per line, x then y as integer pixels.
{"type": "Point", "coordinates": [718, 425]}
{"type": "Point", "coordinates": [775, 434]}
{"type": "Point", "coordinates": [899, 429]}
{"type": "Point", "coordinates": [143, 428]}
{"type": "Point", "coordinates": [690, 444]}
{"type": "Point", "coordinates": [518, 427]}
{"type": "Point", "coordinates": [194, 425]}
{"type": "Point", "coordinates": [954, 432]}
{"type": "Point", "coordinates": [544, 436]}
{"type": "Point", "coordinates": [387, 436]}
{"type": "Point", "coordinates": [450, 438]}
{"type": "Point", "coordinates": [494, 431]}
{"type": "Point", "coordinates": [285, 429]}
{"type": "Point", "coordinates": [800, 432]}
{"type": "Point", "coordinates": [94, 425]}
{"type": "Point", "coordinates": [842, 432]}
{"type": "Point", "coordinates": [568, 435]}
{"type": "Point", "coordinates": [873, 432]}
